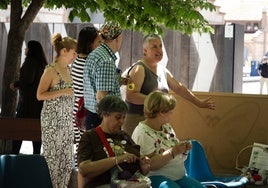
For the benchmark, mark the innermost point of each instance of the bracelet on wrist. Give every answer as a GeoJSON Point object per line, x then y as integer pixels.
{"type": "Point", "coordinates": [171, 153]}
{"type": "Point", "coordinates": [116, 162]}
{"type": "Point", "coordinates": [118, 166]}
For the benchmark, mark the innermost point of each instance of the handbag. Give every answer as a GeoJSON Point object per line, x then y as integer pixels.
{"type": "Point", "coordinates": [80, 116]}
{"type": "Point", "coordinates": [257, 169]}
{"type": "Point", "coordinates": [126, 174]}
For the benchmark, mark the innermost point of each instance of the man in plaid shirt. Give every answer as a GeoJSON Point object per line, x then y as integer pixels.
{"type": "Point", "coordinates": [100, 72]}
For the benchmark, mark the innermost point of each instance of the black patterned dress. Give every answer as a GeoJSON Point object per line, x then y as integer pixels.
{"type": "Point", "coordinates": [57, 135]}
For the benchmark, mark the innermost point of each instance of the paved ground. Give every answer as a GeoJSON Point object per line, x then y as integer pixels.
{"type": "Point", "coordinates": [251, 85]}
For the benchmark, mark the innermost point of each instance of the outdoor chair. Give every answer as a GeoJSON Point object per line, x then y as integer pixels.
{"type": "Point", "coordinates": [24, 171]}
{"type": "Point", "coordinates": [198, 168]}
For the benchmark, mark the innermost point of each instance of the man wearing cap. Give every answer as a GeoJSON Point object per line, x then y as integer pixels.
{"type": "Point", "coordinates": [100, 75]}
{"type": "Point", "coordinates": [263, 72]}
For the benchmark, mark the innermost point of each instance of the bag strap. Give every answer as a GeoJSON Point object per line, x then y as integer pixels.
{"type": "Point", "coordinates": [132, 67]}
{"type": "Point", "coordinates": [104, 141]}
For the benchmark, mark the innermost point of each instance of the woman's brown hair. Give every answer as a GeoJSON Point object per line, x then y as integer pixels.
{"type": "Point", "coordinates": [157, 102]}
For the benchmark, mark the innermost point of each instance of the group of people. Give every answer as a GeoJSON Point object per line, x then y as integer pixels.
{"type": "Point", "coordinates": [137, 129]}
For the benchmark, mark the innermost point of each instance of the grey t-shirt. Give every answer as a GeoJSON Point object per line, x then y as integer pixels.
{"type": "Point", "coordinates": [151, 83]}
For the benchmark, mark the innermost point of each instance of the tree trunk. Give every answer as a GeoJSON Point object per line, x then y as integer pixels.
{"type": "Point", "coordinates": [12, 66]}
{"type": "Point", "coordinates": [18, 27]}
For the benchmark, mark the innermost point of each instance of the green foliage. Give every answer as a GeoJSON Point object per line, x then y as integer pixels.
{"type": "Point", "coordinates": [141, 15]}
{"type": "Point", "coordinates": [4, 4]}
